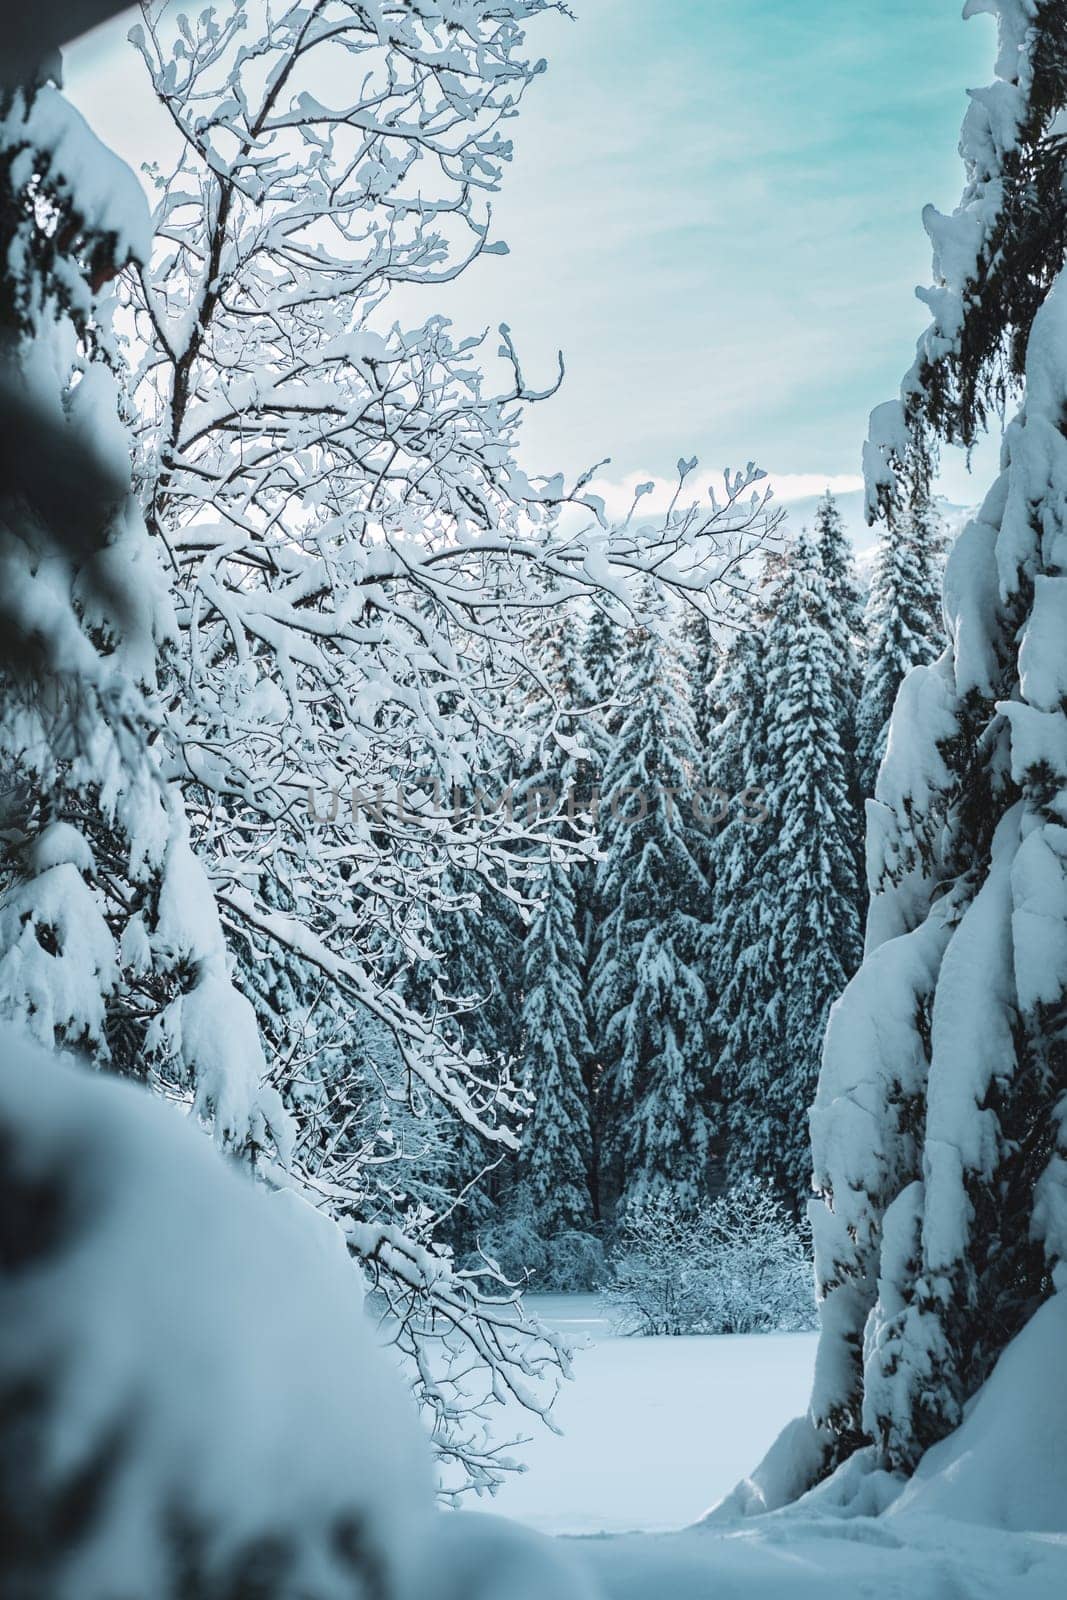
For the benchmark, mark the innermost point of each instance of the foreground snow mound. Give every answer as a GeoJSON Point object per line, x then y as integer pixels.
{"type": "Point", "coordinates": [479, 1557]}
{"type": "Point", "coordinates": [822, 1559]}
{"type": "Point", "coordinates": [1006, 1464]}
{"type": "Point", "coordinates": [192, 1401]}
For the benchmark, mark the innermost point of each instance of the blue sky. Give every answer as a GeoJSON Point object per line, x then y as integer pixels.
{"type": "Point", "coordinates": [714, 211]}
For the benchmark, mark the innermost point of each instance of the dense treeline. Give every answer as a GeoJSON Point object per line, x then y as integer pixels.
{"type": "Point", "coordinates": [669, 996]}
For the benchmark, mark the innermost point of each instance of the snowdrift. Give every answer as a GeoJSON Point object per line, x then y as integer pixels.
{"type": "Point", "coordinates": [1006, 1464]}
{"type": "Point", "coordinates": [1004, 1467]}
{"type": "Point", "coordinates": [193, 1402]}
{"type": "Point", "coordinates": [191, 1395]}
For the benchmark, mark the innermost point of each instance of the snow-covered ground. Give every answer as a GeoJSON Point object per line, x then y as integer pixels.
{"type": "Point", "coordinates": [654, 1430]}
{"type": "Point", "coordinates": [657, 1429]}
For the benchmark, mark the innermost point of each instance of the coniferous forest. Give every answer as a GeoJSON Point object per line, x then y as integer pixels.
{"type": "Point", "coordinates": [516, 976]}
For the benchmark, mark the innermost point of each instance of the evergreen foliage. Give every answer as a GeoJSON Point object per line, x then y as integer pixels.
{"type": "Point", "coordinates": [648, 996]}
{"type": "Point", "coordinates": [741, 838]}
{"type": "Point", "coordinates": [792, 941]}
{"type": "Point", "coordinates": [557, 1148]}
{"type": "Point", "coordinates": [903, 624]}
{"type": "Point", "coordinates": [838, 565]}
{"type": "Point", "coordinates": [556, 1164]}
{"type": "Point", "coordinates": [938, 1128]}
{"type": "Point", "coordinates": [110, 939]}
{"type": "Point", "coordinates": [702, 660]}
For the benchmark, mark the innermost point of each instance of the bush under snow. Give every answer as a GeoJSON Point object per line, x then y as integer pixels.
{"type": "Point", "coordinates": [737, 1264]}
{"type": "Point", "coordinates": [566, 1261]}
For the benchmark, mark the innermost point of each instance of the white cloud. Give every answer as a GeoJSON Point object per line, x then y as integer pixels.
{"type": "Point", "coordinates": [802, 485]}
{"type": "Point", "coordinates": [618, 493]}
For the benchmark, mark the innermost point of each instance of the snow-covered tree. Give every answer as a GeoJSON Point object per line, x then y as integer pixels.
{"type": "Point", "coordinates": [602, 651]}
{"type": "Point", "coordinates": [703, 662]}
{"type": "Point", "coordinates": [474, 978]}
{"type": "Point", "coordinates": [557, 1147]}
{"type": "Point", "coordinates": [838, 562]}
{"type": "Point", "coordinates": [602, 657]}
{"type": "Point", "coordinates": [110, 939]}
{"type": "Point", "coordinates": [811, 930]}
{"type": "Point", "coordinates": [557, 1161]}
{"type": "Point", "coordinates": [354, 551]}
{"type": "Point", "coordinates": [740, 839]}
{"type": "Point", "coordinates": [354, 557]}
{"type": "Point", "coordinates": [938, 1128]}
{"type": "Point", "coordinates": [786, 888]}
{"type": "Point", "coordinates": [903, 626]}
{"type": "Point", "coordinates": [648, 998]}
{"type": "Point", "coordinates": [845, 622]}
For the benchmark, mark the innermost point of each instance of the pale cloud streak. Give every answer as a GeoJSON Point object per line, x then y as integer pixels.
{"type": "Point", "coordinates": [618, 493]}
{"type": "Point", "coordinates": [714, 212]}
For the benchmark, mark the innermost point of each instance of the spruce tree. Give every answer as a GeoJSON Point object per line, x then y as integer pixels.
{"type": "Point", "coordinates": [702, 659]}
{"type": "Point", "coordinates": [938, 1128]}
{"type": "Point", "coordinates": [648, 996]}
{"type": "Point", "coordinates": [557, 1149]}
{"type": "Point", "coordinates": [797, 940]}
{"type": "Point", "coordinates": [557, 1164]}
{"type": "Point", "coordinates": [812, 891]}
{"type": "Point", "coordinates": [903, 624]}
{"type": "Point", "coordinates": [477, 938]}
{"type": "Point", "coordinates": [111, 940]}
{"type": "Point", "coordinates": [845, 625]}
{"type": "Point", "coordinates": [837, 559]}
{"type": "Point", "coordinates": [739, 841]}
{"type": "Point", "coordinates": [601, 655]}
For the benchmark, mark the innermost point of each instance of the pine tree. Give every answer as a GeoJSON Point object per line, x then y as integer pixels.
{"type": "Point", "coordinates": [602, 656]}
{"type": "Point", "coordinates": [110, 937]}
{"type": "Point", "coordinates": [812, 892]}
{"type": "Point", "coordinates": [557, 1148]}
{"type": "Point", "coordinates": [837, 559]}
{"type": "Point", "coordinates": [740, 840]}
{"type": "Point", "coordinates": [797, 940]}
{"type": "Point", "coordinates": [478, 940]}
{"type": "Point", "coordinates": [845, 622]}
{"type": "Point", "coordinates": [702, 660]}
{"type": "Point", "coordinates": [903, 624]}
{"type": "Point", "coordinates": [557, 1160]}
{"type": "Point", "coordinates": [648, 998]}
{"type": "Point", "coordinates": [938, 1128]}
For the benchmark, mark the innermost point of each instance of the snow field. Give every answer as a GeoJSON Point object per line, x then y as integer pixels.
{"type": "Point", "coordinates": [654, 1430]}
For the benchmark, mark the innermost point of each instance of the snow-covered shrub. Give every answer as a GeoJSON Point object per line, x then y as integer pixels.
{"type": "Point", "coordinates": [569, 1261]}
{"type": "Point", "coordinates": [762, 1265]}
{"type": "Point", "coordinates": [737, 1264]}
{"type": "Point", "coordinates": [574, 1261]}
{"type": "Point", "coordinates": [658, 1271]}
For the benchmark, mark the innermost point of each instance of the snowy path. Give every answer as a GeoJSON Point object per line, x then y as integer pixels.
{"type": "Point", "coordinates": [655, 1430]}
